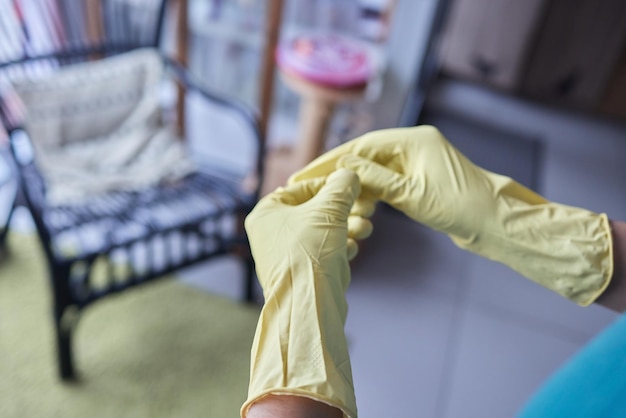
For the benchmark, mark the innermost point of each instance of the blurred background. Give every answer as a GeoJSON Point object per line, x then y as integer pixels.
{"type": "Point", "coordinates": [534, 89]}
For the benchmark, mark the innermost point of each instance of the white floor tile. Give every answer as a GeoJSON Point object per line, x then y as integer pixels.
{"type": "Point", "coordinates": [398, 344]}
{"type": "Point", "coordinates": [402, 307]}
{"type": "Point", "coordinates": [495, 285]}
{"type": "Point", "coordinates": [498, 365]}
{"type": "Point", "coordinates": [222, 276]}
{"type": "Point", "coordinates": [406, 255]}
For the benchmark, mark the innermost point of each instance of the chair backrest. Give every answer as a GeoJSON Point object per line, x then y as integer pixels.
{"type": "Point", "coordinates": [39, 36]}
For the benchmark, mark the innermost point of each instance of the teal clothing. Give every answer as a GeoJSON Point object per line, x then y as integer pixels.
{"type": "Point", "coordinates": [592, 384]}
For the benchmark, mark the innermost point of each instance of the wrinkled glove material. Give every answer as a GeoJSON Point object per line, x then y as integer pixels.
{"type": "Point", "coordinates": [416, 170]}
{"type": "Point", "coordinates": [298, 236]}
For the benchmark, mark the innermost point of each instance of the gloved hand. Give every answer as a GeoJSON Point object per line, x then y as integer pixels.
{"type": "Point", "coordinates": [299, 241]}
{"type": "Point", "coordinates": [419, 172]}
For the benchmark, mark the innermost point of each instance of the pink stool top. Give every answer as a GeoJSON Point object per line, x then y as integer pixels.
{"type": "Point", "coordinates": [328, 59]}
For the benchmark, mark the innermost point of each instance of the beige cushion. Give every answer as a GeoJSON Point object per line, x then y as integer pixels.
{"type": "Point", "coordinates": [98, 126]}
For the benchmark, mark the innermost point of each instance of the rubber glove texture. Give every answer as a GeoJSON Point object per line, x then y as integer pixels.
{"type": "Point", "coordinates": [416, 170]}
{"type": "Point", "coordinates": [299, 241]}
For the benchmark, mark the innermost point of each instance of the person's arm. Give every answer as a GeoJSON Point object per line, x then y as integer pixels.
{"type": "Point", "coordinates": [614, 297]}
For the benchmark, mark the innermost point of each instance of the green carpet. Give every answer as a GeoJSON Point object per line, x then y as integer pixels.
{"type": "Point", "coordinates": [164, 350]}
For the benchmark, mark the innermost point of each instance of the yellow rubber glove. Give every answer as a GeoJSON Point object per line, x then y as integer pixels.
{"type": "Point", "coordinates": [298, 236]}
{"type": "Point", "coordinates": [416, 170]}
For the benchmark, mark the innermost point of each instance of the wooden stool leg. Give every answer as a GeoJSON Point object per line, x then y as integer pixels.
{"type": "Point", "coordinates": [315, 117]}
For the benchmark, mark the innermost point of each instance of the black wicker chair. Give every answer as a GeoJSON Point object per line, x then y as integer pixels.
{"type": "Point", "coordinates": [142, 234]}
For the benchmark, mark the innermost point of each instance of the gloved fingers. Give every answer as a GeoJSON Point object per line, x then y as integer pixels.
{"type": "Point", "coordinates": [365, 145]}
{"type": "Point", "coordinates": [339, 193]}
{"type": "Point", "coordinates": [291, 195]}
{"type": "Point", "coordinates": [352, 248]}
{"type": "Point", "coordinates": [359, 227]}
{"type": "Point", "coordinates": [322, 165]}
{"type": "Point", "coordinates": [382, 146]}
{"type": "Point", "coordinates": [377, 181]}
{"type": "Point", "coordinates": [363, 207]}
{"type": "Point", "coordinates": [297, 193]}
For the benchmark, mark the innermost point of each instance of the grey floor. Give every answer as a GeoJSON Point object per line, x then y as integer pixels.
{"type": "Point", "coordinates": [436, 332]}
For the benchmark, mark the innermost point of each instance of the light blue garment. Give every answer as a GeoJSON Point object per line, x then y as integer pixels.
{"type": "Point", "coordinates": [592, 384]}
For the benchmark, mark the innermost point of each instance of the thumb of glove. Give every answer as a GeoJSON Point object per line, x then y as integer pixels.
{"type": "Point", "coordinates": [378, 182]}
{"type": "Point", "coordinates": [338, 194]}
